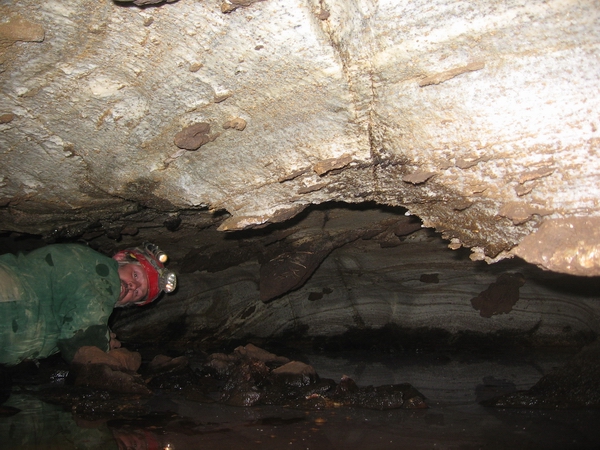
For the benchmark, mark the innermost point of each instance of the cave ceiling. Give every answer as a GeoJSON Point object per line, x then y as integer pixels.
{"type": "Point", "coordinates": [480, 118]}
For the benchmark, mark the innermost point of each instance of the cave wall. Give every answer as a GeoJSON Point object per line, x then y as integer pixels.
{"type": "Point", "coordinates": [480, 118]}
{"type": "Point", "coordinates": [396, 279]}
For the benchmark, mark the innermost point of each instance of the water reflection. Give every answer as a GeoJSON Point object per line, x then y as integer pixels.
{"type": "Point", "coordinates": [41, 425]}
{"type": "Point", "coordinates": [454, 420]}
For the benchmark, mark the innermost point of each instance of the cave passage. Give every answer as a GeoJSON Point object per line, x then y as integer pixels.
{"type": "Point", "coordinates": [360, 291]}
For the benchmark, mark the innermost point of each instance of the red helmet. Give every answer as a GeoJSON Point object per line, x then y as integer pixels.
{"type": "Point", "coordinates": [151, 258]}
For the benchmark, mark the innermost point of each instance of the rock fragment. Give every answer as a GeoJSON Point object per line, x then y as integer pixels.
{"type": "Point", "coordinates": [522, 212]}
{"type": "Point", "coordinates": [418, 177]}
{"type": "Point", "coordinates": [193, 137]}
{"type": "Point", "coordinates": [535, 174]}
{"type": "Point", "coordinates": [237, 124]}
{"type": "Point", "coordinates": [327, 165]}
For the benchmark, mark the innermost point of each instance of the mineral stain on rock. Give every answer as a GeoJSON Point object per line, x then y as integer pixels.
{"type": "Point", "coordinates": [499, 297]}
{"type": "Point", "coordinates": [429, 278]}
{"type": "Point", "coordinates": [313, 296]}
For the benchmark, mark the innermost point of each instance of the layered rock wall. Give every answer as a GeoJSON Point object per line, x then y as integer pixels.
{"type": "Point", "coordinates": [387, 279]}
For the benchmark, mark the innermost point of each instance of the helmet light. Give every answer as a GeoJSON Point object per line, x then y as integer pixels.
{"type": "Point", "coordinates": [168, 282]}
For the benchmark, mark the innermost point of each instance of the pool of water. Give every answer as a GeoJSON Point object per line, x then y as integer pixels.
{"type": "Point", "coordinates": [452, 384]}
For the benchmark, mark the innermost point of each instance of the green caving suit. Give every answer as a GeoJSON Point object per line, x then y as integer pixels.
{"type": "Point", "coordinates": [56, 298]}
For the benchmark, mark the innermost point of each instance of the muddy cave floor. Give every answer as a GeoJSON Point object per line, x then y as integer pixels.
{"type": "Point", "coordinates": [453, 383]}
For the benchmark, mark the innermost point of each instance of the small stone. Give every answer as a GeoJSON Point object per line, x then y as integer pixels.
{"type": "Point", "coordinates": [227, 7]}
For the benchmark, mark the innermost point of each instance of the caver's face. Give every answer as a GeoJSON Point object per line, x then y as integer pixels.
{"type": "Point", "coordinates": [134, 284]}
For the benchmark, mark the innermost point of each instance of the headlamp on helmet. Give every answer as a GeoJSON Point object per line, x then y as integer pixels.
{"type": "Point", "coordinates": [156, 252]}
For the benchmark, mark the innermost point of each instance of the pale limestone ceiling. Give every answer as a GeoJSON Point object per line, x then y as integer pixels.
{"type": "Point", "coordinates": [480, 117]}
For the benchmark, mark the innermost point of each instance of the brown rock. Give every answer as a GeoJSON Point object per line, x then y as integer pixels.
{"type": "Point", "coordinates": [127, 359]}
{"type": "Point", "coordinates": [193, 137]}
{"type": "Point", "coordinates": [19, 29]}
{"type": "Point", "coordinates": [296, 373]}
{"type": "Point", "coordinates": [327, 165]}
{"type": "Point", "coordinates": [103, 376]}
{"type": "Point", "coordinates": [418, 177]}
{"type": "Point", "coordinates": [119, 359]}
{"type": "Point", "coordinates": [6, 118]}
{"type": "Point", "coordinates": [163, 364]}
{"type": "Point", "coordinates": [251, 351]}
{"type": "Point", "coordinates": [569, 245]}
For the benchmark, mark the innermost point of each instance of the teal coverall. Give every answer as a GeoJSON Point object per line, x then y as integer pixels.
{"type": "Point", "coordinates": [55, 299]}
